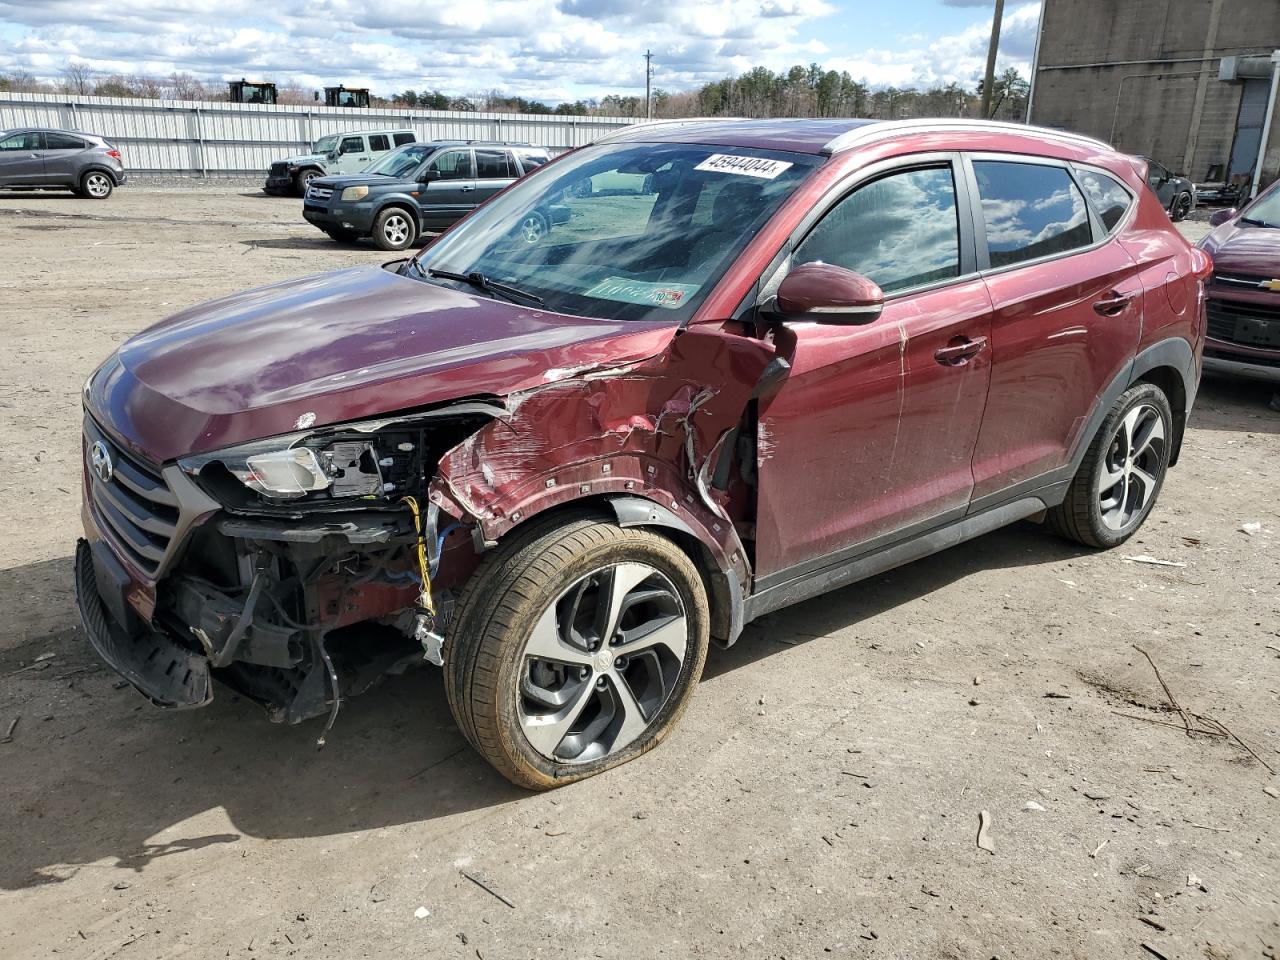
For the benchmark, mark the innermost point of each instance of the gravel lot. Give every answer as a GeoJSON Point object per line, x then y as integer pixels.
{"type": "Point", "coordinates": [821, 797]}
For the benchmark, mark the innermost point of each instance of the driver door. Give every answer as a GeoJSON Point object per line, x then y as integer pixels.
{"type": "Point", "coordinates": [353, 155]}
{"type": "Point", "coordinates": [871, 435]}
{"type": "Point", "coordinates": [21, 159]}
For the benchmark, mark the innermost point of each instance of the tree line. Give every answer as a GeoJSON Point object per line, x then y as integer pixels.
{"type": "Point", "coordinates": [797, 92]}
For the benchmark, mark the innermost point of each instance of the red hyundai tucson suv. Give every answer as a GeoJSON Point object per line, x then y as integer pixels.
{"type": "Point", "coordinates": [759, 361]}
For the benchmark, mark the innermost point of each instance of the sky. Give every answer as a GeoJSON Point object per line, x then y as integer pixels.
{"type": "Point", "coordinates": [551, 50]}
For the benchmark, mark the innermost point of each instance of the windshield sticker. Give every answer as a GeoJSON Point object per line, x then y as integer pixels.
{"type": "Point", "coordinates": [670, 296]}
{"type": "Point", "coordinates": [759, 167]}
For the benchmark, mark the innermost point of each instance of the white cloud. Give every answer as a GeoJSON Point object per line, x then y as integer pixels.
{"type": "Point", "coordinates": [551, 49]}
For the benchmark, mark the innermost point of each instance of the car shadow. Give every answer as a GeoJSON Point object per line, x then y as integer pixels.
{"type": "Point", "coordinates": [53, 193]}
{"type": "Point", "coordinates": [320, 242]}
{"type": "Point", "coordinates": [1227, 403]}
{"type": "Point", "coordinates": [96, 774]}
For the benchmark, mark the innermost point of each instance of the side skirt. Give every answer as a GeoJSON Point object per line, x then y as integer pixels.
{"type": "Point", "coordinates": [868, 565]}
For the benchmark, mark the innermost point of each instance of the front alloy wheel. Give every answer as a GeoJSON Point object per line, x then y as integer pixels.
{"type": "Point", "coordinates": [576, 648]}
{"type": "Point", "coordinates": [394, 229]}
{"type": "Point", "coordinates": [533, 228]}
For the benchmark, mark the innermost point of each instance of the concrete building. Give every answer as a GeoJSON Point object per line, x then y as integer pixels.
{"type": "Point", "coordinates": [1187, 82]}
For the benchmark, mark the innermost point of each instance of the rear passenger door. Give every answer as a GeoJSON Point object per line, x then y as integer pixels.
{"type": "Point", "coordinates": [21, 158]}
{"type": "Point", "coordinates": [62, 155]}
{"type": "Point", "coordinates": [495, 171]}
{"type": "Point", "coordinates": [1067, 318]}
{"type": "Point", "coordinates": [379, 143]}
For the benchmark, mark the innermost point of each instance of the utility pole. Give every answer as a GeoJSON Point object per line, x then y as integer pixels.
{"type": "Point", "coordinates": [990, 79]}
{"type": "Point", "coordinates": [648, 77]}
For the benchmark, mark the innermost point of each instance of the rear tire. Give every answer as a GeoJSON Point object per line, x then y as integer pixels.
{"type": "Point", "coordinates": [545, 680]}
{"type": "Point", "coordinates": [1182, 204]}
{"type": "Point", "coordinates": [1122, 473]}
{"type": "Point", "coordinates": [394, 229]}
{"type": "Point", "coordinates": [96, 185]}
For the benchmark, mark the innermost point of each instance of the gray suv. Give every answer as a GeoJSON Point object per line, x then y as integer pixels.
{"type": "Point", "coordinates": [85, 164]}
{"type": "Point", "coordinates": [423, 186]}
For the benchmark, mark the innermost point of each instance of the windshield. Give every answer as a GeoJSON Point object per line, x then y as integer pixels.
{"type": "Point", "coordinates": [634, 231]}
{"type": "Point", "coordinates": [400, 163]}
{"type": "Point", "coordinates": [1266, 211]}
{"type": "Point", "coordinates": [326, 144]}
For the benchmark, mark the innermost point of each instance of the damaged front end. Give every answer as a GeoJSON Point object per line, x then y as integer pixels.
{"type": "Point", "coordinates": [299, 569]}
{"type": "Point", "coordinates": [255, 564]}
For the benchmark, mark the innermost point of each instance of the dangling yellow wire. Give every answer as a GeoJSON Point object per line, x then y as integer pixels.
{"type": "Point", "coordinates": [424, 568]}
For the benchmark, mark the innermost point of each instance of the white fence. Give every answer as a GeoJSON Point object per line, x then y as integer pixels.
{"type": "Point", "coordinates": [186, 137]}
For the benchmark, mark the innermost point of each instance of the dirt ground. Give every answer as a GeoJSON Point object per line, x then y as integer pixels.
{"type": "Point", "coordinates": [822, 796]}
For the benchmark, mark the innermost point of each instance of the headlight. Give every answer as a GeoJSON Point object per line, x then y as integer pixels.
{"type": "Point", "coordinates": [355, 193]}
{"type": "Point", "coordinates": [293, 466]}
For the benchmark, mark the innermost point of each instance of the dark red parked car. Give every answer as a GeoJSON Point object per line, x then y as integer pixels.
{"type": "Point", "coordinates": [761, 360]}
{"type": "Point", "coordinates": [1244, 295]}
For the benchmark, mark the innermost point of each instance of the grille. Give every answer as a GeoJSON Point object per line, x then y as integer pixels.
{"type": "Point", "coordinates": [319, 193]}
{"type": "Point", "coordinates": [1240, 279]}
{"type": "Point", "coordinates": [1248, 324]}
{"type": "Point", "coordinates": [135, 508]}
{"type": "Point", "coordinates": [279, 169]}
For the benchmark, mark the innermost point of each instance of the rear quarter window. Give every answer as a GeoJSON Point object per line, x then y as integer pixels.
{"type": "Point", "coordinates": [1031, 210]}
{"type": "Point", "coordinates": [1110, 200]}
{"type": "Point", "coordinates": [402, 138]}
{"type": "Point", "coordinates": [378, 142]}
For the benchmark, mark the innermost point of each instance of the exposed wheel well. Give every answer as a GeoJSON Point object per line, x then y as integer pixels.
{"type": "Point", "coordinates": [1170, 381]}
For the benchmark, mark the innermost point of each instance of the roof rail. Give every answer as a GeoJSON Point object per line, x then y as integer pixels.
{"type": "Point", "coordinates": [660, 124]}
{"type": "Point", "coordinates": [890, 128]}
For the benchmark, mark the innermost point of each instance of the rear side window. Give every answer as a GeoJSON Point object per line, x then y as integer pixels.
{"type": "Point", "coordinates": [1109, 199]}
{"type": "Point", "coordinates": [900, 231]}
{"type": "Point", "coordinates": [378, 142]}
{"type": "Point", "coordinates": [453, 165]}
{"type": "Point", "coordinates": [61, 141]}
{"type": "Point", "coordinates": [1031, 211]}
{"type": "Point", "coordinates": [530, 160]}
{"type": "Point", "coordinates": [352, 145]}
{"type": "Point", "coordinates": [494, 165]}
{"type": "Point", "coordinates": [402, 138]}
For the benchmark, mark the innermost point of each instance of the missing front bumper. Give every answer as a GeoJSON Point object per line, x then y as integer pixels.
{"type": "Point", "coordinates": [162, 671]}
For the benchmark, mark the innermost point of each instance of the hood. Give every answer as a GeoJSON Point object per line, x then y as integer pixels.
{"type": "Point", "coordinates": [305, 159]}
{"type": "Point", "coordinates": [340, 180]}
{"type": "Point", "coordinates": [1239, 248]}
{"type": "Point", "coordinates": [337, 347]}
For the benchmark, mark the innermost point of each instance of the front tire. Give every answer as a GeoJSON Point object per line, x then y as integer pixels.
{"type": "Point", "coordinates": [533, 228]}
{"type": "Point", "coordinates": [576, 648]}
{"type": "Point", "coordinates": [302, 180]}
{"type": "Point", "coordinates": [1120, 477]}
{"type": "Point", "coordinates": [96, 185]}
{"type": "Point", "coordinates": [394, 229]}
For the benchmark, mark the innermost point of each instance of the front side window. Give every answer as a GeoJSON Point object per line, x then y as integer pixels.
{"type": "Point", "coordinates": [1031, 210]}
{"type": "Point", "coordinates": [352, 145]}
{"type": "Point", "coordinates": [21, 141]}
{"type": "Point", "coordinates": [453, 165]}
{"type": "Point", "coordinates": [627, 231]}
{"type": "Point", "coordinates": [493, 165]}
{"type": "Point", "coordinates": [378, 142]}
{"type": "Point", "coordinates": [1109, 199]}
{"type": "Point", "coordinates": [900, 231]}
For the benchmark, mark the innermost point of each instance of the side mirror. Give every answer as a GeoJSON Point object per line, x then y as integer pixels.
{"type": "Point", "coordinates": [825, 293]}
{"type": "Point", "coordinates": [429, 176]}
{"type": "Point", "coordinates": [1222, 216]}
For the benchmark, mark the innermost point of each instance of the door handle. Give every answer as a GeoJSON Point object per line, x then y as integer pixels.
{"type": "Point", "coordinates": [960, 351]}
{"type": "Point", "coordinates": [1113, 304]}
{"type": "Point", "coordinates": [467, 189]}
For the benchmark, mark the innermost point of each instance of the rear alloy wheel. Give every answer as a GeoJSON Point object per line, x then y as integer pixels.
{"type": "Point", "coordinates": [533, 228]}
{"type": "Point", "coordinates": [576, 650]}
{"type": "Point", "coordinates": [96, 185]}
{"type": "Point", "coordinates": [394, 229]}
{"type": "Point", "coordinates": [1121, 475]}
{"type": "Point", "coordinates": [1181, 207]}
